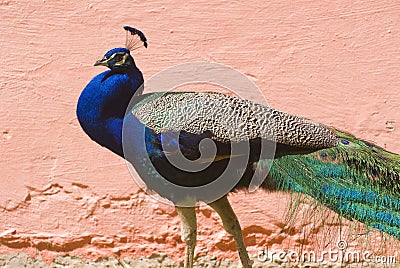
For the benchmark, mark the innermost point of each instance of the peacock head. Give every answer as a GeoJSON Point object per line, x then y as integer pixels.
{"type": "Point", "coordinates": [120, 59]}
{"type": "Point", "coordinates": [116, 59]}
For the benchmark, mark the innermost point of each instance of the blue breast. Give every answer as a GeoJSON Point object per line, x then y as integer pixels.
{"type": "Point", "coordinates": [102, 106]}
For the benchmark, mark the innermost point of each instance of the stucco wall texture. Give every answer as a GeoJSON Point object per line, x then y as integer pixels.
{"type": "Point", "coordinates": [337, 62]}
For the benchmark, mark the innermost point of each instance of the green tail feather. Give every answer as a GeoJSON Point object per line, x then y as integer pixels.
{"type": "Point", "coordinates": [358, 180]}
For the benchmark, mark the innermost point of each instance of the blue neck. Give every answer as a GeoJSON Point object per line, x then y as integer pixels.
{"type": "Point", "coordinates": [103, 103]}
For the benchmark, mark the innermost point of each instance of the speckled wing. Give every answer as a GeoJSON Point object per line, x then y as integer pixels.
{"type": "Point", "coordinates": [229, 119]}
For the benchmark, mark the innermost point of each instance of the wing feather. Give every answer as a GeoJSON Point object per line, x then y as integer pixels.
{"type": "Point", "coordinates": [229, 119]}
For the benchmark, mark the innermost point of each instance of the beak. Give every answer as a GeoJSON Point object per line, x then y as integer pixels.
{"type": "Point", "coordinates": [102, 62]}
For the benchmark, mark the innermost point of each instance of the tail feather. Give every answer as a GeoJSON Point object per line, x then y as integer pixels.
{"type": "Point", "coordinates": [358, 180]}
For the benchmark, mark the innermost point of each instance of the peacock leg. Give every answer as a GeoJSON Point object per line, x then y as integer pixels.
{"type": "Point", "coordinates": [232, 226]}
{"type": "Point", "coordinates": [188, 232]}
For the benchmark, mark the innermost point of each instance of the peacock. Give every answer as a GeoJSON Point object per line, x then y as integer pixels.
{"type": "Point", "coordinates": [355, 178]}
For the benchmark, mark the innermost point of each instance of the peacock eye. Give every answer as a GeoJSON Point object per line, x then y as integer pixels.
{"type": "Point", "coordinates": [118, 57]}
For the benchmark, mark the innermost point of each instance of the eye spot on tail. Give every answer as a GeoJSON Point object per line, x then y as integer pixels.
{"type": "Point", "coordinates": [345, 142]}
{"type": "Point", "coordinates": [323, 155]}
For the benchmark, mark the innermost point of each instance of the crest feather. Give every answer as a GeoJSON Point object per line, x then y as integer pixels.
{"type": "Point", "coordinates": [134, 37]}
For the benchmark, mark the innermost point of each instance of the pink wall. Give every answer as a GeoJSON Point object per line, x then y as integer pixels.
{"type": "Point", "coordinates": [337, 63]}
